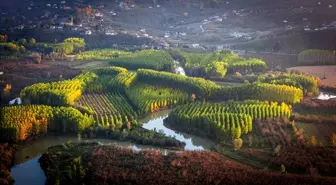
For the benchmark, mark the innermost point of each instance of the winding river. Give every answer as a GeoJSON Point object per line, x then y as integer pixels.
{"type": "Point", "coordinates": [27, 169]}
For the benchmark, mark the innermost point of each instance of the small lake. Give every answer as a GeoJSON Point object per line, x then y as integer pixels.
{"type": "Point", "coordinates": [27, 170]}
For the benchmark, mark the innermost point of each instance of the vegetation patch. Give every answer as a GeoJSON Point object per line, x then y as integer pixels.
{"type": "Point", "coordinates": [110, 83]}
{"type": "Point", "coordinates": [111, 110]}
{"type": "Point", "coordinates": [116, 165]}
{"type": "Point", "coordinates": [58, 93]}
{"type": "Point", "coordinates": [18, 123]}
{"type": "Point", "coordinates": [224, 121]}
{"type": "Point", "coordinates": [316, 106]}
{"type": "Point", "coordinates": [115, 118]}
{"type": "Point", "coordinates": [199, 86]}
{"type": "Point", "coordinates": [149, 59]}
{"type": "Point", "coordinates": [316, 57]}
{"type": "Point", "coordinates": [258, 91]}
{"type": "Point", "coordinates": [152, 98]}
{"type": "Point", "coordinates": [216, 64]}
{"type": "Point", "coordinates": [308, 84]}
{"type": "Point", "coordinates": [307, 160]}
{"type": "Point", "coordinates": [102, 54]}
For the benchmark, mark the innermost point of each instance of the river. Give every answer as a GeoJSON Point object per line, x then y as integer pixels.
{"type": "Point", "coordinates": [326, 96]}
{"type": "Point", "coordinates": [27, 171]}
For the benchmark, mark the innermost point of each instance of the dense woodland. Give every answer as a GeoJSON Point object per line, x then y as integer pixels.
{"type": "Point", "coordinates": [223, 120]}
{"type": "Point", "coordinates": [110, 164]}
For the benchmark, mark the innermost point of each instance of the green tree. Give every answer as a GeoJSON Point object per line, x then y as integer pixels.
{"type": "Point", "coordinates": [237, 143]}
{"type": "Point", "coordinates": [78, 43]}
{"type": "Point", "coordinates": [22, 42]}
{"type": "Point", "coordinates": [32, 41]}
{"type": "Point", "coordinates": [22, 49]}
{"type": "Point", "coordinates": [314, 141]}
{"type": "Point", "coordinates": [283, 169]}
{"type": "Point", "coordinates": [237, 132]}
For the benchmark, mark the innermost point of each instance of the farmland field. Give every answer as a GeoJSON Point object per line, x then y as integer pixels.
{"type": "Point", "coordinates": [109, 109]}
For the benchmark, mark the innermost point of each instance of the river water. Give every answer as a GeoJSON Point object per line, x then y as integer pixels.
{"type": "Point", "coordinates": [27, 171]}
{"type": "Point", "coordinates": [155, 121]}
{"type": "Point", "coordinates": [326, 96]}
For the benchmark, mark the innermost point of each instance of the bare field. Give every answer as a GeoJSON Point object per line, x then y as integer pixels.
{"type": "Point", "coordinates": [320, 71]}
{"type": "Point", "coordinates": [20, 74]}
{"type": "Point", "coordinates": [274, 60]}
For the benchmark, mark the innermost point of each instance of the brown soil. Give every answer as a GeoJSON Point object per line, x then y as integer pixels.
{"type": "Point", "coordinates": [320, 71]}
{"type": "Point", "coordinates": [274, 60]}
{"type": "Point", "coordinates": [23, 73]}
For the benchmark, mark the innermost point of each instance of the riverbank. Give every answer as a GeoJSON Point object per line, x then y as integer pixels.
{"type": "Point", "coordinates": [28, 154]}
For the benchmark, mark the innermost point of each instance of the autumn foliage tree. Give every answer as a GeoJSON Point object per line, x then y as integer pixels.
{"type": "Point", "coordinates": [7, 89]}
{"type": "Point", "coordinates": [36, 58]}
{"type": "Point", "coordinates": [3, 38]}
{"type": "Point", "coordinates": [333, 139]}
{"type": "Point", "coordinates": [314, 141]}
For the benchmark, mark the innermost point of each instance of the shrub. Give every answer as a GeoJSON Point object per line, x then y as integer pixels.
{"type": "Point", "coordinates": [36, 58]}
{"type": "Point", "coordinates": [78, 44]}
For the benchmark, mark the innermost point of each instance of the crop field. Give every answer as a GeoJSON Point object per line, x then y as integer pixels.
{"type": "Point", "coordinates": [152, 98]}
{"type": "Point", "coordinates": [111, 109]}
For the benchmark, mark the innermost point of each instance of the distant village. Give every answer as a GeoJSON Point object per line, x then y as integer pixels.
{"type": "Point", "coordinates": [85, 19]}
{"type": "Point", "coordinates": [64, 16]}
